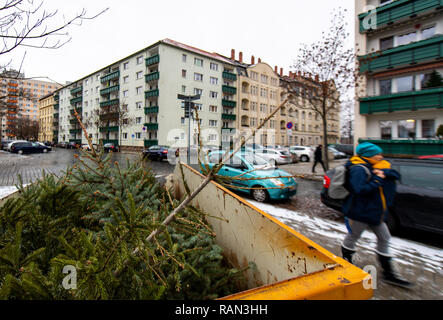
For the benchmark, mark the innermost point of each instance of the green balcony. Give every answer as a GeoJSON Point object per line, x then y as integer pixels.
{"type": "Point", "coordinates": [113, 116]}
{"type": "Point", "coordinates": [151, 110]}
{"type": "Point", "coordinates": [229, 103]}
{"type": "Point", "coordinates": [400, 10]}
{"type": "Point", "coordinates": [56, 106]}
{"type": "Point", "coordinates": [151, 126]}
{"type": "Point", "coordinates": [408, 147]}
{"type": "Point", "coordinates": [231, 117]}
{"type": "Point", "coordinates": [150, 143]}
{"type": "Point", "coordinates": [109, 129]}
{"type": "Point", "coordinates": [56, 115]}
{"type": "Point", "coordinates": [56, 97]}
{"type": "Point", "coordinates": [110, 76]}
{"type": "Point", "coordinates": [411, 54]}
{"type": "Point", "coordinates": [152, 60]}
{"type": "Point", "coordinates": [55, 133]}
{"type": "Point", "coordinates": [405, 101]}
{"type": "Point", "coordinates": [152, 93]}
{"type": "Point", "coordinates": [74, 121]}
{"type": "Point", "coordinates": [110, 103]}
{"type": "Point", "coordinates": [152, 76]}
{"type": "Point", "coordinates": [229, 76]}
{"type": "Point", "coordinates": [229, 89]}
{"type": "Point", "coordinates": [109, 90]}
{"type": "Point", "coordinates": [76, 100]}
{"type": "Point", "coordinates": [75, 131]}
{"type": "Point", "coordinates": [79, 111]}
{"type": "Point", "coordinates": [77, 90]}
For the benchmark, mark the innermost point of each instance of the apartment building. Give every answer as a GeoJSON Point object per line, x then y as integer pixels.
{"type": "Point", "coordinates": [261, 91]}
{"type": "Point", "coordinates": [21, 99]}
{"type": "Point", "coordinates": [134, 102]}
{"type": "Point", "coordinates": [400, 47]}
{"type": "Point", "coordinates": [46, 118]}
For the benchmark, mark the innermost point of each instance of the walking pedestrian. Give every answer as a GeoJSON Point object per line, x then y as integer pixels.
{"type": "Point", "coordinates": [372, 186]}
{"type": "Point", "coordinates": [318, 158]}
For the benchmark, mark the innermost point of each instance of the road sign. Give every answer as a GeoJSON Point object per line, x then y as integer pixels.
{"type": "Point", "coordinates": [289, 125]}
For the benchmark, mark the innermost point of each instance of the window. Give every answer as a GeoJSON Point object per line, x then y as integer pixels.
{"type": "Point", "coordinates": [214, 66]}
{"type": "Point", "coordinates": [406, 128]}
{"type": "Point", "coordinates": [253, 122]}
{"type": "Point", "coordinates": [198, 77]}
{"type": "Point", "coordinates": [183, 89]}
{"type": "Point", "coordinates": [198, 106]}
{"type": "Point", "coordinates": [428, 129]}
{"type": "Point", "coordinates": [213, 94]}
{"type": "Point", "coordinates": [264, 79]}
{"type": "Point", "coordinates": [405, 84]}
{"type": "Point", "coordinates": [125, 136]}
{"type": "Point", "coordinates": [126, 79]}
{"type": "Point", "coordinates": [213, 80]}
{"type": "Point", "coordinates": [428, 33]}
{"type": "Point", "coordinates": [427, 177]}
{"type": "Point", "coordinates": [139, 105]}
{"type": "Point", "coordinates": [406, 38]}
{"type": "Point", "coordinates": [140, 60]}
{"type": "Point", "coordinates": [198, 62]}
{"type": "Point", "coordinates": [263, 92]}
{"type": "Point", "coordinates": [139, 75]}
{"type": "Point", "coordinates": [126, 93]}
{"type": "Point", "coordinates": [184, 74]}
{"type": "Point", "coordinates": [212, 108]}
{"type": "Point", "coordinates": [138, 135]}
{"type": "Point", "coordinates": [385, 87]}
{"type": "Point", "coordinates": [126, 66]}
{"type": "Point", "coordinates": [139, 90]}
{"type": "Point", "coordinates": [212, 123]}
{"type": "Point", "coordinates": [212, 137]}
{"type": "Point", "coordinates": [138, 120]}
{"type": "Point", "coordinates": [253, 106]}
{"type": "Point", "coordinates": [198, 91]}
{"type": "Point", "coordinates": [184, 58]}
{"type": "Point", "coordinates": [386, 43]}
{"type": "Point", "coordinates": [254, 75]}
{"type": "Point", "coordinates": [424, 78]}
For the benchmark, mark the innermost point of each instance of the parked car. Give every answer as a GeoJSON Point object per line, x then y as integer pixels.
{"type": "Point", "coordinates": [348, 149]}
{"type": "Point", "coordinates": [419, 199]}
{"type": "Point", "coordinates": [432, 157]}
{"type": "Point", "coordinates": [108, 147]}
{"type": "Point", "coordinates": [86, 147]}
{"type": "Point", "coordinates": [62, 145]}
{"type": "Point", "coordinates": [157, 153]}
{"type": "Point", "coordinates": [4, 144]}
{"type": "Point", "coordinates": [337, 154]}
{"type": "Point", "coordinates": [45, 145]}
{"type": "Point", "coordinates": [304, 154]}
{"type": "Point", "coordinates": [72, 145]}
{"type": "Point", "coordinates": [251, 166]}
{"type": "Point", "coordinates": [28, 147]}
{"type": "Point", "coordinates": [9, 146]}
{"type": "Point", "coordinates": [275, 156]}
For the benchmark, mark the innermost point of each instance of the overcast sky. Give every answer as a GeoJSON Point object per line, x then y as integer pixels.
{"type": "Point", "coordinates": [270, 30]}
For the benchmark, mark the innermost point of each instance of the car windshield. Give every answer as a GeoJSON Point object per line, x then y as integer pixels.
{"type": "Point", "coordinates": [257, 162]}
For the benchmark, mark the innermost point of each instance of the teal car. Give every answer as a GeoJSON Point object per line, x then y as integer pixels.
{"type": "Point", "coordinates": [255, 176]}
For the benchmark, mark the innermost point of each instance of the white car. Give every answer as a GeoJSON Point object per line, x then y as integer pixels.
{"type": "Point", "coordinates": [304, 154]}
{"type": "Point", "coordinates": [274, 156]}
{"type": "Point", "coordinates": [8, 147]}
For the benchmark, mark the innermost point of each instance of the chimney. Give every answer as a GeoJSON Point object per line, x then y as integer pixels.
{"type": "Point", "coordinates": [299, 74]}
{"type": "Point", "coordinates": [240, 57]}
{"type": "Point", "coordinates": [317, 78]}
{"type": "Point", "coordinates": [233, 54]}
{"type": "Point", "coordinates": [290, 74]}
{"type": "Point", "coordinates": [276, 69]}
{"type": "Point", "coordinates": [259, 60]}
{"type": "Point", "coordinates": [252, 60]}
{"type": "Point", "coordinates": [281, 72]}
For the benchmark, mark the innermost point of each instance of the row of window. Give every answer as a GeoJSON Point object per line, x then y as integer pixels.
{"type": "Point", "coordinates": [200, 63]}
{"type": "Point", "coordinates": [407, 129]}
{"type": "Point", "coordinates": [404, 84]}
{"type": "Point", "coordinates": [406, 38]}
{"type": "Point", "coordinates": [263, 78]}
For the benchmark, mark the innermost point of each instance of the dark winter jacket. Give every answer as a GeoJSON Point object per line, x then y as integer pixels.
{"type": "Point", "coordinates": [318, 154]}
{"type": "Point", "coordinates": [370, 197]}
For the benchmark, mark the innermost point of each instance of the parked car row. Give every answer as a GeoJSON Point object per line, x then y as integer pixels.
{"type": "Point", "coordinates": [73, 145]}
{"type": "Point", "coordinates": [25, 147]}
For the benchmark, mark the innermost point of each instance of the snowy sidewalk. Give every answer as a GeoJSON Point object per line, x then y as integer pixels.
{"type": "Point", "coordinates": [417, 262]}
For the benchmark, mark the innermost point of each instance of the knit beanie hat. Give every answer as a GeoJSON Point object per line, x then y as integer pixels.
{"type": "Point", "coordinates": [367, 149]}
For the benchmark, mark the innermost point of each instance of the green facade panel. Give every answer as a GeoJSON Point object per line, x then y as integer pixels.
{"type": "Point", "coordinates": [408, 147]}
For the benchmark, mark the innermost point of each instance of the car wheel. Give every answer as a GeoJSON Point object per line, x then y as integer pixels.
{"type": "Point", "coordinates": [20, 151]}
{"type": "Point", "coordinates": [260, 195]}
{"type": "Point", "coordinates": [273, 162]}
{"type": "Point", "coordinates": [304, 158]}
{"type": "Point", "coordinates": [45, 150]}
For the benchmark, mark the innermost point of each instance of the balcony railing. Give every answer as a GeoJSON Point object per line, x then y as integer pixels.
{"type": "Point", "coordinates": [110, 76]}
{"type": "Point", "coordinates": [113, 116]}
{"type": "Point", "coordinates": [151, 110]}
{"type": "Point", "coordinates": [151, 126]}
{"type": "Point", "coordinates": [405, 101]}
{"type": "Point", "coordinates": [231, 117]}
{"type": "Point", "coordinates": [152, 93]}
{"type": "Point", "coordinates": [152, 76]}
{"type": "Point", "coordinates": [110, 103]}
{"type": "Point", "coordinates": [229, 89]}
{"type": "Point", "coordinates": [76, 90]}
{"type": "Point", "coordinates": [405, 55]}
{"type": "Point", "coordinates": [397, 11]}
{"type": "Point", "coordinates": [75, 131]}
{"type": "Point", "coordinates": [56, 106]}
{"type": "Point", "coordinates": [407, 146]}
{"type": "Point", "coordinates": [152, 60]}
{"type": "Point", "coordinates": [109, 90]}
{"type": "Point", "coordinates": [229, 76]}
{"type": "Point", "coordinates": [109, 129]}
{"type": "Point", "coordinates": [76, 100]}
{"type": "Point", "coordinates": [150, 143]}
{"type": "Point", "coordinates": [229, 103]}
{"type": "Point", "coordinates": [79, 111]}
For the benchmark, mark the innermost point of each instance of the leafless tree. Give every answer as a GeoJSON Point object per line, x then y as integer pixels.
{"type": "Point", "coordinates": [26, 129]}
{"type": "Point", "coordinates": [332, 66]}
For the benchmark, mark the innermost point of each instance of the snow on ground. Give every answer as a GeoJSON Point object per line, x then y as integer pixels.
{"type": "Point", "coordinates": [409, 252]}
{"type": "Point", "coordinates": [6, 191]}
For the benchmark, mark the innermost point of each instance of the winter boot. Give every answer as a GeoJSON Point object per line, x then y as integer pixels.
{"type": "Point", "coordinates": [389, 275]}
{"type": "Point", "coordinates": [347, 254]}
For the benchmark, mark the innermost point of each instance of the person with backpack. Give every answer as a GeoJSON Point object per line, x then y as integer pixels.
{"type": "Point", "coordinates": [371, 183]}
{"type": "Point", "coordinates": [318, 158]}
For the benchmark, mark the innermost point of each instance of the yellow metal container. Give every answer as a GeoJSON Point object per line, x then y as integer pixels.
{"type": "Point", "coordinates": [289, 266]}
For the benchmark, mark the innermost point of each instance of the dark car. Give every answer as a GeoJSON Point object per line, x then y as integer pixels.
{"type": "Point", "coordinates": [108, 147]}
{"type": "Point", "coordinates": [4, 144]}
{"type": "Point", "coordinates": [62, 145]}
{"type": "Point", "coordinates": [29, 147]}
{"type": "Point", "coordinates": [157, 153]}
{"type": "Point", "coordinates": [418, 203]}
{"type": "Point", "coordinates": [72, 145]}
